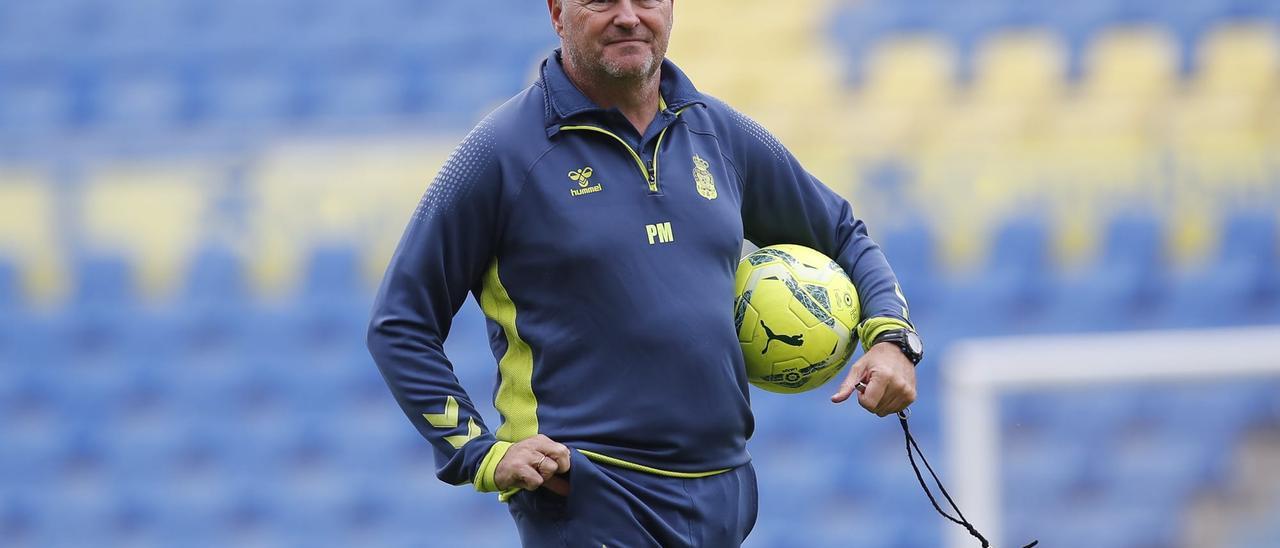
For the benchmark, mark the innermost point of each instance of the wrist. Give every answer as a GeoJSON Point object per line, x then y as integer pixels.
{"type": "Point", "coordinates": [484, 480]}
{"type": "Point", "coordinates": [884, 346]}
{"type": "Point", "coordinates": [905, 341]}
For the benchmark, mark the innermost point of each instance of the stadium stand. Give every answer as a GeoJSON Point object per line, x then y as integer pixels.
{"type": "Point", "coordinates": [197, 197]}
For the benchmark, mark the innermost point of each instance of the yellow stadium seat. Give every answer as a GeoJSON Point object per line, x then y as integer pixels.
{"type": "Point", "coordinates": [1020, 67]}
{"type": "Point", "coordinates": [752, 56]}
{"type": "Point", "coordinates": [776, 66]}
{"type": "Point", "coordinates": [914, 71]}
{"type": "Point", "coordinates": [30, 233]}
{"type": "Point", "coordinates": [977, 124]}
{"type": "Point", "coordinates": [1137, 64]}
{"type": "Point", "coordinates": [1220, 142]}
{"type": "Point", "coordinates": [304, 195]}
{"type": "Point", "coordinates": [907, 87]}
{"type": "Point", "coordinates": [1198, 116]}
{"type": "Point", "coordinates": [1239, 59]}
{"type": "Point", "coordinates": [154, 214]}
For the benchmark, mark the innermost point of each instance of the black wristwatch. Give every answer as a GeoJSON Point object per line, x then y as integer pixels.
{"type": "Point", "coordinates": [907, 340]}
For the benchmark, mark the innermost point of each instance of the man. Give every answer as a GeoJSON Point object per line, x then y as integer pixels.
{"type": "Point", "coordinates": [598, 217]}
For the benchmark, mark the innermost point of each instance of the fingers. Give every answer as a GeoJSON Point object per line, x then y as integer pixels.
{"type": "Point", "coordinates": [850, 381]}
{"type": "Point", "coordinates": [871, 398]}
{"type": "Point", "coordinates": [529, 463]}
{"type": "Point", "coordinates": [557, 455]}
{"type": "Point", "coordinates": [530, 479]}
{"type": "Point", "coordinates": [890, 405]}
{"type": "Point", "coordinates": [557, 452]}
{"type": "Point", "coordinates": [886, 395]}
{"type": "Point", "coordinates": [883, 381]}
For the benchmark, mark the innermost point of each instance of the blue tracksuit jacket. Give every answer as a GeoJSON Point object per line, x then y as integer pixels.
{"type": "Point", "coordinates": [604, 261]}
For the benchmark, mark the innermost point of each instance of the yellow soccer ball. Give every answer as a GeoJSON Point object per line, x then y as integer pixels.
{"type": "Point", "coordinates": [797, 313]}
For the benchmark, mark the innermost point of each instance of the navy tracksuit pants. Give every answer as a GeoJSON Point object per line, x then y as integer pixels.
{"type": "Point", "coordinates": [619, 508]}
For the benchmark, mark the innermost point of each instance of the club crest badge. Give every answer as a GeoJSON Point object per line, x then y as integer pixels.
{"type": "Point", "coordinates": [702, 177]}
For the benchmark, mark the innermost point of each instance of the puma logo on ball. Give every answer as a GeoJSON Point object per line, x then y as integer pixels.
{"type": "Point", "coordinates": [793, 340]}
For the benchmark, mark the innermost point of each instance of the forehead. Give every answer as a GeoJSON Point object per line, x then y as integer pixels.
{"type": "Point", "coordinates": [604, 5]}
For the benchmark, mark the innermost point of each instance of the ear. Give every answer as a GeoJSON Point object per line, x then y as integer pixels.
{"type": "Point", "coordinates": [556, 8]}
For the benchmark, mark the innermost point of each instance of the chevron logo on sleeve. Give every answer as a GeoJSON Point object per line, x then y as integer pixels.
{"type": "Point", "coordinates": [449, 420]}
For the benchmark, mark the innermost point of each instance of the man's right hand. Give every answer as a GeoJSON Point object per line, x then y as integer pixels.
{"type": "Point", "coordinates": [533, 463]}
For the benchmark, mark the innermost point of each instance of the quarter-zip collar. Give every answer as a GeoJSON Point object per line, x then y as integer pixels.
{"type": "Point", "coordinates": [564, 101]}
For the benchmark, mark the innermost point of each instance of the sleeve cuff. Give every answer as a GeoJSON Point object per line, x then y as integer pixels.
{"type": "Point", "coordinates": [484, 481]}
{"type": "Point", "coordinates": [873, 327]}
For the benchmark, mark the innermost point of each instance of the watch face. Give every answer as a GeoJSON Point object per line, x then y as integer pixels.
{"type": "Point", "coordinates": [914, 343]}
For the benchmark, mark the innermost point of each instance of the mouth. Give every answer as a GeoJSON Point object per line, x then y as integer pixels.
{"type": "Point", "coordinates": [628, 41]}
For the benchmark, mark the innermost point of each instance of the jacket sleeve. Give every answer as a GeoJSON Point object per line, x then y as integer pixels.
{"type": "Point", "coordinates": [443, 253]}
{"type": "Point", "coordinates": [783, 203]}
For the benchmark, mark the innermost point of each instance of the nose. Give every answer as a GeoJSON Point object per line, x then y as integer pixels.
{"type": "Point", "coordinates": [626, 16]}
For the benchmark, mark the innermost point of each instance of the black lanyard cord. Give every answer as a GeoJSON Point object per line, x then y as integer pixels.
{"type": "Point", "coordinates": [912, 450]}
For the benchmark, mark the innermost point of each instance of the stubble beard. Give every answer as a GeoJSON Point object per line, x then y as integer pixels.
{"type": "Point", "coordinates": [632, 73]}
{"type": "Point", "coordinates": [606, 71]}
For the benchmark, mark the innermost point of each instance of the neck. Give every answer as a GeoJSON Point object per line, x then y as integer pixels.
{"type": "Point", "coordinates": [636, 98]}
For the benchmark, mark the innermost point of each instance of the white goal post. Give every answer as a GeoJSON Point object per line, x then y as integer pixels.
{"type": "Point", "coordinates": [976, 371]}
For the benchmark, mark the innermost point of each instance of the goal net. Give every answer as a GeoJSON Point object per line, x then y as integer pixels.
{"type": "Point", "coordinates": [982, 374]}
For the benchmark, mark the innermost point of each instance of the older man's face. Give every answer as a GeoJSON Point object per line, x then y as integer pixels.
{"type": "Point", "coordinates": [623, 39]}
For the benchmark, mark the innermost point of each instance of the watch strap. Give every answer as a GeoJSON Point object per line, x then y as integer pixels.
{"type": "Point", "coordinates": [871, 328]}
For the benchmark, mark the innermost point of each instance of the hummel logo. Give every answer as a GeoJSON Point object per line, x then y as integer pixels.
{"type": "Point", "coordinates": [583, 178]}
{"type": "Point", "coordinates": [793, 340]}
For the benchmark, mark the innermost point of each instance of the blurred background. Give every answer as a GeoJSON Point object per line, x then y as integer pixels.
{"type": "Point", "coordinates": [198, 197]}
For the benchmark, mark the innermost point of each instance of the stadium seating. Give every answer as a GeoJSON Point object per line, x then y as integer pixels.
{"type": "Point", "coordinates": [197, 198]}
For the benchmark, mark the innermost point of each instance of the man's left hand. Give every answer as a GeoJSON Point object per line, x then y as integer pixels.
{"type": "Point", "coordinates": [884, 378]}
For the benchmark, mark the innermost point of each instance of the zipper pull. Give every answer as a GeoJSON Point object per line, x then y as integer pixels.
{"type": "Point", "coordinates": [653, 177]}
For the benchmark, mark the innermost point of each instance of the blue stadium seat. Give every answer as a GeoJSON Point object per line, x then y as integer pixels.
{"type": "Point", "coordinates": [1219, 413]}
{"type": "Point", "coordinates": [1241, 285]}
{"type": "Point", "coordinates": [1084, 420]}
{"type": "Point", "coordinates": [23, 521]}
{"type": "Point", "coordinates": [912, 250]}
{"type": "Point", "coordinates": [1011, 292]}
{"type": "Point", "coordinates": [142, 101]}
{"type": "Point", "coordinates": [266, 332]}
{"type": "Point", "coordinates": [33, 102]}
{"type": "Point", "coordinates": [101, 342]}
{"type": "Point", "coordinates": [368, 92]}
{"type": "Point", "coordinates": [881, 474]}
{"type": "Point", "coordinates": [11, 297]}
{"type": "Point", "coordinates": [327, 318]}
{"type": "Point", "coordinates": [469, 92]}
{"type": "Point", "coordinates": [103, 280]}
{"type": "Point", "coordinates": [1019, 261]}
{"type": "Point", "coordinates": [1095, 413]}
{"type": "Point", "coordinates": [208, 314]}
{"type": "Point", "coordinates": [237, 27]}
{"type": "Point", "coordinates": [1095, 523]}
{"type": "Point", "coordinates": [239, 94]}
{"type": "Point", "coordinates": [31, 343]}
{"type": "Point", "coordinates": [332, 270]}
{"type": "Point", "coordinates": [870, 526]}
{"type": "Point", "coordinates": [1041, 468]}
{"type": "Point", "coordinates": [1125, 288]}
{"type": "Point", "coordinates": [34, 435]}
{"type": "Point", "coordinates": [1152, 472]}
